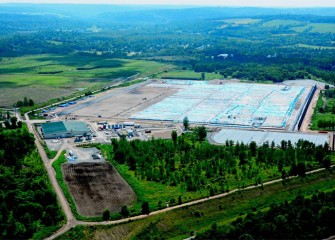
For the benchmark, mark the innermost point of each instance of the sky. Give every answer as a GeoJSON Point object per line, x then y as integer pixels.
{"type": "Point", "coordinates": [262, 3]}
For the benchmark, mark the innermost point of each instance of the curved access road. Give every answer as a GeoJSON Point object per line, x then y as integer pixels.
{"type": "Point", "coordinates": [71, 220]}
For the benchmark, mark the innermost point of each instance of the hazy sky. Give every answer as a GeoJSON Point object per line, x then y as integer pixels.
{"type": "Point", "coordinates": [265, 3]}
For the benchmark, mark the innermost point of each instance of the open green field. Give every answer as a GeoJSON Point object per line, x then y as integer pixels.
{"type": "Point", "coordinates": [324, 111]}
{"type": "Point", "coordinates": [184, 74]}
{"type": "Point", "coordinates": [181, 223]}
{"type": "Point", "coordinates": [42, 77]}
{"type": "Point", "coordinates": [277, 23]}
{"type": "Point", "coordinates": [241, 21]}
{"type": "Point", "coordinates": [315, 47]}
{"type": "Point", "coordinates": [316, 28]}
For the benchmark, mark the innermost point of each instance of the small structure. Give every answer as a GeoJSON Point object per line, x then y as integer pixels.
{"type": "Point", "coordinates": [130, 133]}
{"type": "Point", "coordinates": [117, 126]}
{"type": "Point", "coordinates": [223, 55]}
{"type": "Point", "coordinates": [64, 129]}
{"type": "Point", "coordinates": [129, 124]}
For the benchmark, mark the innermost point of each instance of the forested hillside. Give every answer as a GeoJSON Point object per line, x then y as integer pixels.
{"type": "Point", "coordinates": [303, 218]}
{"type": "Point", "coordinates": [246, 43]}
{"type": "Point", "coordinates": [28, 204]}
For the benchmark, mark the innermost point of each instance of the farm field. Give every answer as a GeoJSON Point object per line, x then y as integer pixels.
{"type": "Point", "coordinates": [241, 21]}
{"type": "Point", "coordinates": [188, 74]}
{"type": "Point", "coordinates": [50, 76]}
{"type": "Point", "coordinates": [96, 187]}
{"type": "Point", "coordinates": [316, 28]}
{"type": "Point", "coordinates": [277, 23]}
{"type": "Point", "coordinates": [182, 223]}
{"type": "Point", "coordinates": [315, 47]}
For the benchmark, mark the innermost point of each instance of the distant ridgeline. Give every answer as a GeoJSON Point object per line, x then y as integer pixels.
{"type": "Point", "coordinates": [249, 43]}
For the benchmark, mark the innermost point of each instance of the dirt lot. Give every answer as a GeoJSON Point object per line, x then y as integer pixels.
{"type": "Point", "coordinates": [96, 187]}
{"type": "Point", "coordinates": [310, 111]}
{"type": "Point", "coordinates": [126, 103]}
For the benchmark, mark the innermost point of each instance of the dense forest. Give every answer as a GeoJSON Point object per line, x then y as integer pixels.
{"type": "Point", "coordinates": [253, 44]}
{"type": "Point", "coordinates": [303, 218]}
{"type": "Point", "coordinates": [28, 204]}
{"type": "Point", "coordinates": [197, 165]}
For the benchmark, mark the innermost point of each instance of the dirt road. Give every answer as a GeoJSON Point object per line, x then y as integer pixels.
{"type": "Point", "coordinates": [71, 220]}
{"type": "Point", "coordinates": [309, 113]}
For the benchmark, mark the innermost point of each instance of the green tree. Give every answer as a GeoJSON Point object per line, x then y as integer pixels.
{"type": "Point", "coordinates": [19, 103]}
{"type": "Point", "coordinates": [124, 211]}
{"type": "Point", "coordinates": [13, 121]}
{"type": "Point", "coordinates": [202, 134]}
{"type": "Point", "coordinates": [203, 76]}
{"type": "Point", "coordinates": [25, 102]}
{"type": "Point", "coordinates": [186, 123]}
{"type": "Point", "coordinates": [31, 103]}
{"type": "Point", "coordinates": [253, 148]}
{"type": "Point", "coordinates": [145, 208]}
{"type": "Point", "coordinates": [106, 215]}
{"type": "Point", "coordinates": [180, 200]}
{"type": "Point", "coordinates": [174, 136]}
{"type": "Point", "coordinates": [326, 162]}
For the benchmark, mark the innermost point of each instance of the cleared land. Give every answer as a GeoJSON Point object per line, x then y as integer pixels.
{"type": "Point", "coordinates": [122, 103]}
{"type": "Point", "coordinates": [43, 77]}
{"type": "Point", "coordinates": [241, 21]}
{"type": "Point", "coordinates": [96, 187]}
{"type": "Point", "coordinates": [316, 27]}
{"type": "Point", "coordinates": [278, 23]}
{"type": "Point", "coordinates": [227, 104]}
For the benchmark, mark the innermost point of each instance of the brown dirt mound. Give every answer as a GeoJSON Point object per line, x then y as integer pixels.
{"type": "Point", "coordinates": [96, 187]}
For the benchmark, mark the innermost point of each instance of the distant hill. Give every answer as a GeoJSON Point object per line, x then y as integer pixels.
{"type": "Point", "coordinates": [144, 13]}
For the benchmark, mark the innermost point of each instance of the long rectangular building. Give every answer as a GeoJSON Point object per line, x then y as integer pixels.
{"type": "Point", "coordinates": [64, 129]}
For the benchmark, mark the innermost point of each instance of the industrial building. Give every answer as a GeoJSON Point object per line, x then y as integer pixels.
{"type": "Point", "coordinates": [64, 129]}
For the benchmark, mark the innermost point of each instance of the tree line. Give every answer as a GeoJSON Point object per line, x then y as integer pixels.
{"type": "Point", "coordinates": [199, 166]}
{"type": "Point", "coordinates": [25, 103]}
{"type": "Point", "coordinates": [302, 218]}
{"type": "Point", "coordinates": [28, 205]}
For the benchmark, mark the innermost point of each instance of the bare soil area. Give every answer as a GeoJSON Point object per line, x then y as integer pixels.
{"type": "Point", "coordinates": [127, 103]}
{"type": "Point", "coordinates": [308, 117]}
{"type": "Point", "coordinates": [96, 187]}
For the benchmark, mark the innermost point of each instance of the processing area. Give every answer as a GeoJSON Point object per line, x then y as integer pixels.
{"type": "Point", "coordinates": [230, 104]}
{"type": "Point", "coordinates": [218, 104]}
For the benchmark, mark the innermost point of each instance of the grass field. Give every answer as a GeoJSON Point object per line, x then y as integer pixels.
{"type": "Point", "coordinates": [315, 47]}
{"type": "Point", "coordinates": [277, 23]}
{"type": "Point", "coordinates": [316, 27]}
{"type": "Point", "coordinates": [241, 21]}
{"type": "Point", "coordinates": [42, 77]}
{"type": "Point", "coordinates": [324, 103]}
{"type": "Point", "coordinates": [181, 223]}
{"type": "Point", "coordinates": [184, 74]}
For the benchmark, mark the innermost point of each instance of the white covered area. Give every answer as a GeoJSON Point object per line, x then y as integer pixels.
{"type": "Point", "coordinates": [260, 137]}
{"type": "Point", "coordinates": [238, 104]}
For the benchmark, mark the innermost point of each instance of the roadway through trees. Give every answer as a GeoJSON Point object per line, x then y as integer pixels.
{"type": "Point", "coordinates": [72, 221]}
